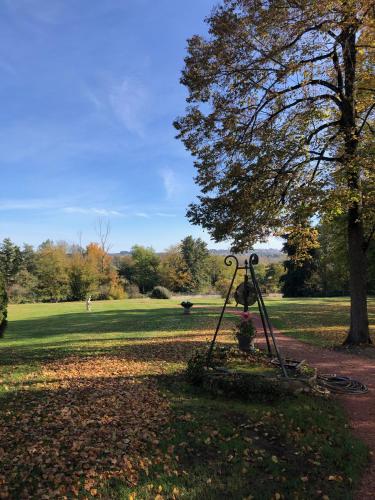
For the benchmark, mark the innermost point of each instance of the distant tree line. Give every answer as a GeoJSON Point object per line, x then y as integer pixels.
{"type": "Point", "coordinates": [56, 271]}
{"type": "Point", "coordinates": [315, 265]}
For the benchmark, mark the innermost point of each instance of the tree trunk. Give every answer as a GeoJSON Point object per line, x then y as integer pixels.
{"type": "Point", "coordinates": [359, 328]}
{"type": "Point", "coordinates": [359, 325]}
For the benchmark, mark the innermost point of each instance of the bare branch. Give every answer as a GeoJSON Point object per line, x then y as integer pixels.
{"type": "Point", "coordinates": [103, 231]}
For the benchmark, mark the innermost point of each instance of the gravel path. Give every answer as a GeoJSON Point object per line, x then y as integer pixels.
{"type": "Point", "coordinates": [360, 409]}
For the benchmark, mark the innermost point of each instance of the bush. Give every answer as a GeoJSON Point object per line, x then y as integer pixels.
{"type": "Point", "coordinates": [132, 291]}
{"type": "Point", "coordinates": [3, 307]}
{"type": "Point", "coordinates": [117, 292]}
{"type": "Point", "coordinates": [160, 292]}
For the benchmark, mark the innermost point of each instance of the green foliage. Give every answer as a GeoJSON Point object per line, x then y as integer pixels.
{"type": "Point", "coordinates": [10, 261]}
{"type": "Point", "coordinates": [52, 272]}
{"type": "Point", "coordinates": [174, 272]}
{"type": "Point", "coordinates": [24, 288]}
{"type": "Point", "coordinates": [301, 278]}
{"type": "Point", "coordinates": [83, 278]}
{"type": "Point", "coordinates": [196, 367]}
{"type": "Point", "coordinates": [245, 327]}
{"type": "Point", "coordinates": [254, 131]}
{"type": "Point", "coordinates": [3, 307]}
{"type": "Point", "coordinates": [195, 255]}
{"type": "Point", "coordinates": [145, 268]}
{"type": "Point", "coordinates": [133, 292]}
{"type": "Point", "coordinates": [332, 257]}
{"type": "Point", "coordinates": [245, 386]}
{"type": "Point", "coordinates": [160, 292]}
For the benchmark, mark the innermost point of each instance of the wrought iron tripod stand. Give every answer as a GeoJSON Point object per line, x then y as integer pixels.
{"type": "Point", "coordinates": [248, 267]}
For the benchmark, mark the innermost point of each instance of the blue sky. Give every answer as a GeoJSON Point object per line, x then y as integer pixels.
{"type": "Point", "coordinates": [89, 90]}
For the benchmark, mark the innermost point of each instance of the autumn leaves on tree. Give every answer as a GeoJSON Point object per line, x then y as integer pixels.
{"type": "Point", "coordinates": [280, 121]}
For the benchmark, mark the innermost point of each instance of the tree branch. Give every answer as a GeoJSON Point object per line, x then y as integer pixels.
{"type": "Point", "coordinates": [320, 128]}
{"type": "Point", "coordinates": [320, 82]}
{"type": "Point", "coordinates": [319, 160]}
{"type": "Point", "coordinates": [297, 101]}
{"type": "Point", "coordinates": [325, 158]}
{"type": "Point", "coordinates": [365, 118]}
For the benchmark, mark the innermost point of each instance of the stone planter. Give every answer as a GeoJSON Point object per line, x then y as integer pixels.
{"type": "Point", "coordinates": [187, 306]}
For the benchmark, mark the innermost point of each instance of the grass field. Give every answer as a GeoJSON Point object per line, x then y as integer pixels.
{"type": "Point", "coordinates": [320, 321]}
{"type": "Point", "coordinates": [94, 404]}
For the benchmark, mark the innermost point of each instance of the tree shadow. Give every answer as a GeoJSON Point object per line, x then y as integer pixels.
{"type": "Point", "coordinates": [42, 340]}
{"type": "Point", "coordinates": [173, 349]}
{"type": "Point", "coordinates": [122, 321]}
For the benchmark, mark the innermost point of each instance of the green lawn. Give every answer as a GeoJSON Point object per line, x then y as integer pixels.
{"type": "Point", "coordinates": [321, 321]}
{"type": "Point", "coordinates": [95, 404]}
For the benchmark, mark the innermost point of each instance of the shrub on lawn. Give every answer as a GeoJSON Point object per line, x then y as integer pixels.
{"type": "Point", "coordinates": [160, 292]}
{"type": "Point", "coordinates": [132, 291]}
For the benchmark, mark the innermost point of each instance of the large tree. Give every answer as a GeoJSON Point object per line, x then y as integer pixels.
{"type": "Point", "coordinates": [280, 120]}
{"type": "Point", "coordinates": [195, 255]}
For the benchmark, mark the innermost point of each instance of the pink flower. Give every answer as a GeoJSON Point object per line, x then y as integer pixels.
{"type": "Point", "coordinates": [245, 316]}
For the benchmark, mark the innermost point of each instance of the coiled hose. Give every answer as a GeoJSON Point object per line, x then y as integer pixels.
{"type": "Point", "coordinates": [338, 384]}
{"type": "Point", "coordinates": [341, 385]}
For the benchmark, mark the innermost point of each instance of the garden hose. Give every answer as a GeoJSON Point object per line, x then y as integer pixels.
{"type": "Point", "coordinates": [341, 385]}
{"type": "Point", "coordinates": [338, 384]}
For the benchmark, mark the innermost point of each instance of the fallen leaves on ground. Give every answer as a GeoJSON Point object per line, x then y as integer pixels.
{"type": "Point", "coordinates": [90, 423]}
{"type": "Point", "coordinates": [82, 421]}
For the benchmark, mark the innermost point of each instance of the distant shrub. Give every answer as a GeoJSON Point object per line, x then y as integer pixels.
{"type": "Point", "coordinates": [132, 291]}
{"type": "Point", "coordinates": [117, 292]}
{"type": "Point", "coordinates": [160, 292]}
{"type": "Point", "coordinates": [222, 287]}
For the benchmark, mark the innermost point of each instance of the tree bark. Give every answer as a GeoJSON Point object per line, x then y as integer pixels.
{"type": "Point", "coordinates": [359, 324]}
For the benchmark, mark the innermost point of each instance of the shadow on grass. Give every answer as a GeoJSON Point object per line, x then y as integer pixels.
{"type": "Point", "coordinates": [151, 349]}
{"type": "Point", "coordinates": [127, 321]}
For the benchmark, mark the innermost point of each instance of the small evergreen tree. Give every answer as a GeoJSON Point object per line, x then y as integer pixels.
{"type": "Point", "coordinates": [3, 306]}
{"type": "Point", "coordinates": [10, 261]}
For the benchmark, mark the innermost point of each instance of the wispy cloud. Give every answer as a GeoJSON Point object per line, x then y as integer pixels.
{"type": "Point", "coordinates": [30, 204]}
{"type": "Point", "coordinates": [162, 214]}
{"type": "Point", "coordinates": [172, 185]}
{"type": "Point", "coordinates": [92, 97]}
{"type": "Point", "coordinates": [91, 211]}
{"type": "Point", "coordinates": [142, 214]}
{"type": "Point", "coordinates": [128, 100]}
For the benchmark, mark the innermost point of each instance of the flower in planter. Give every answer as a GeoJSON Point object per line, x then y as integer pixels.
{"type": "Point", "coordinates": [245, 332]}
